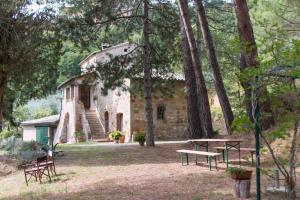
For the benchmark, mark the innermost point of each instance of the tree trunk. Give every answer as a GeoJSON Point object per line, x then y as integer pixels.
{"type": "Point", "coordinates": [247, 89]}
{"type": "Point", "coordinates": [194, 122]}
{"type": "Point", "coordinates": [214, 65]}
{"type": "Point", "coordinates": [147, 78]}
{"type": "Point", "coordinates": [249, 49]}
{"type": "Point", "coordinates": [3, 82]}
{"type": "Point", "coordinates": [201, 87]}
{"type": "Point", "coordinates": [291, 183]}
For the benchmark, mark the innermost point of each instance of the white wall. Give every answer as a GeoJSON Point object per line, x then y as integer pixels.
{"type": "Point", "coordinates": [29, 133]}
{"type": "Point", "coordinates": [68, 106]}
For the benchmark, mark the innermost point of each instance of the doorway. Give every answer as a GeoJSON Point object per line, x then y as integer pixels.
{"type": "Point", "coordinates": [85, 96]}
{"type": "Point", "coordinates": [106, 122]}
{"type": "Point", "coordinates": [42, 134]}
{"type": "Point", "coordinates": [120, 122]}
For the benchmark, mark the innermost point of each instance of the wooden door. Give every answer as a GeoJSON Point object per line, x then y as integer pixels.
{"type": "Point", "coordinates": [42, 134]}
{"type": "Point", "coordinates": [120, 122]}
{"type": "Point", "coordinates": [85, 96]}
{"type": "Point", "coordinates": [106, 124]}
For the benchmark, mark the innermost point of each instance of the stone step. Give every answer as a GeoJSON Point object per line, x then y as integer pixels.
{"type": "Point", "coordinates": [94, 123]}
{"type": "Point", "coordinates": [95, 126]}
{"type": "Point", "coordinates": [98, 136]}
{"type": "Point", "coordinates": [93, 119]}
{"type": "Point", "coordinates": [96, 131]}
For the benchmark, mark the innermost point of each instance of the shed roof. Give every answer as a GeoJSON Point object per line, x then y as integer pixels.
{"type": "Point", "coordinates": [45, 121]}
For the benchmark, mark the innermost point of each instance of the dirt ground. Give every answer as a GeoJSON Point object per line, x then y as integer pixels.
{"type": "Point", "coordinates": [127, 172]}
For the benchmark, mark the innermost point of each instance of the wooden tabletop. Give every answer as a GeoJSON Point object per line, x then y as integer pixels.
{"type": "Point", "coordinates": [217, 140]}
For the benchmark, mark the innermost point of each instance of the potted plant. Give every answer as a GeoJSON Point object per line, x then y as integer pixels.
{"type": "Point", "coordinates": [79, 136]}
{"type": "Point", "coordinates": [115, 136]}
{"type": "Point", "coordinates": [122, 138]}
{"type": "Point", "coordinates": [140, 137]}
{"type": "Point", "coordinates": [238, 173]}
{"type": "Point", "coordinates": [242, 179]}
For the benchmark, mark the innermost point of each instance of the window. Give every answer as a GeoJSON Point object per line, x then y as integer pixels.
{"type": "Point", "coordinates": [67, 93]}
{"type": "Point", "coordinates": [72, 91]}
{"type": "Point", "coordinates": [161, 112]}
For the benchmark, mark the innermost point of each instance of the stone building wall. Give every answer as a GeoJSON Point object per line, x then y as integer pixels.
{"type": "Point", "coordinates": [174, 125]}
{"type": "Point", "coordinates": [114, 102]}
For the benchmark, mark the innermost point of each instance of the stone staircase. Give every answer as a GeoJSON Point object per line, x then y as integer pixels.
{"type": "Point", "coordinates": [97, 132]}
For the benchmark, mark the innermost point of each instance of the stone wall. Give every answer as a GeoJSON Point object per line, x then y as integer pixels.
{"type": "Point", "coordinates": [114, 102]}
{"type": "Point", "coordinates": [173, 97]}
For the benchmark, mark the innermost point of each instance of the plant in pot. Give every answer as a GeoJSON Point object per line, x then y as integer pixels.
{"type": "Point", "coordinates": [122, 138]}
{"type": "Point", "coordinates": [115, 136]}
{"type": "Point", "coordinates": [242, 179]}
{"type": "Point", "coordinates": [140, 138]}
{"type": "Point", "coordinates": [79, 136]}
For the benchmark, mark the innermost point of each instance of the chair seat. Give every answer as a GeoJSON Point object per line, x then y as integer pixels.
{"type": "Point", "coordinates": [34, 169]}
{"type": "Point", "coordinates": [46, 163]}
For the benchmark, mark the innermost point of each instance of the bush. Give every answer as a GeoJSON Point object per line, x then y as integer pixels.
{"type": "Point", "coordinates": [235, 170]}
{"type": "Point", "coordinates": [30, 151]}
{"type": "Point", "coordinates": [79, 134]}
{"type": "Point", "coordinates": [115, 135]}
{"type": "Point", "coordinates": [139, 137]}
{"type": "Point", "coordinates": [6, 134]}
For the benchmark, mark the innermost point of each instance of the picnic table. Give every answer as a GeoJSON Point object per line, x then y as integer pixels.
{"type": "Point", "coordinates": [228, 143]}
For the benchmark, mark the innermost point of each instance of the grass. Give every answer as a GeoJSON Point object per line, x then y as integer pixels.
{"type": "Point", "coordinates": [123, 172]}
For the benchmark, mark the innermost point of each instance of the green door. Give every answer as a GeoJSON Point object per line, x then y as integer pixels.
{"type": "Point", "coordinates": [42, 134]}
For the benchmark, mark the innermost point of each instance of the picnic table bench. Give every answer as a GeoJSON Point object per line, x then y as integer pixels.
{"type": "Point", "coordinates": [209, 155]}
{"type": "Point", "coordinates": [228, 144]}
{"type": "Point", "coordinates": [222, 149]}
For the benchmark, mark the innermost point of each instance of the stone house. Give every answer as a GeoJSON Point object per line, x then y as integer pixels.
{"type": "Point", "coordinates": [87, 110]}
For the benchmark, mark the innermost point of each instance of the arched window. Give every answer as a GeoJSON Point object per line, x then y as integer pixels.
{"type": "Point", "coordinates": [161, 112]}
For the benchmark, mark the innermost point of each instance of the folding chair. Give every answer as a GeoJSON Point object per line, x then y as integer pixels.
{"type": "Point", "coordinates": [47, 161]}
{"type": "Point", "coordinates": [37, 171]}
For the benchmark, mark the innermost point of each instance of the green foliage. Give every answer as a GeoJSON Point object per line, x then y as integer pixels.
{"type": "Point", "coordinates": [79, 134]}
{"type": "Point", "coordinates": [69, 61]}
{"type": "Point", "coordinates": [8, 133]}
{"type": "Point", "coordinates": [42, 113]}
{"type": "Point", "coordinates": [30, 151]}
{"type": "Point", "coordinates": [139, 137]}
{"type": "Point", "coordinates": [216, 113]}
{"type": "Point", "coordinates": [242, 124]}
{"type": "Point", "coordinates": [115, 135]}
{"type": "Point", "coordinates": [235, 170]}
{"type": "Point", "coordinates": [29, 53]}
{"type": "Point", "coordinates": [36, 108]}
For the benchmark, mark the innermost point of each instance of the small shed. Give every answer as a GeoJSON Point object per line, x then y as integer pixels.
{"type": "Point", "coordinates": [41, 130]}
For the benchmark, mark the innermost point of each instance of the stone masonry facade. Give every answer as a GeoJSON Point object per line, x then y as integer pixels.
{"type": "Point", "coordinates": [174, 122]}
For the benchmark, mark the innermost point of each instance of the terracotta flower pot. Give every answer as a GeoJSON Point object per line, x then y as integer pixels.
{"type": "Point", "coordinates": [246, 175]}
{"type": "Point", "coordinates": [122, 139]}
